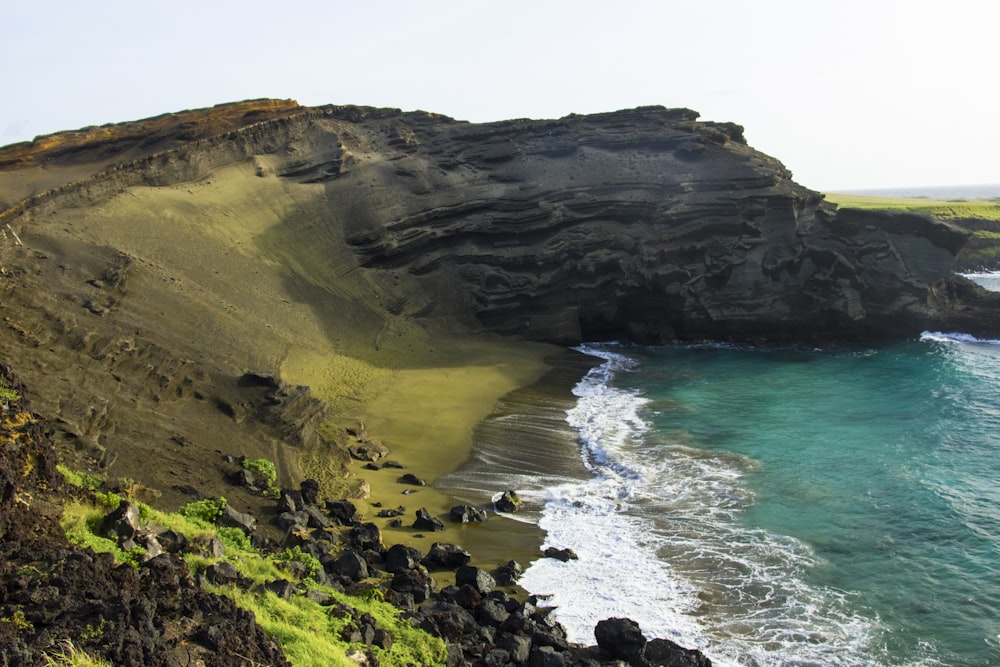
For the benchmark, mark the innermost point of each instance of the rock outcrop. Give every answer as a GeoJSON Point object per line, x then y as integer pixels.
{"type": "Point", "coordinates": [643, 224]}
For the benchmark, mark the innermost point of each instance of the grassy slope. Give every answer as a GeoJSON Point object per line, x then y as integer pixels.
{"type": "Point", "coordinates": [946, 209]}
{"type": "Point", "coordinates": [981, 217]}
{"type": "Point", "coordinates": [308, 633]}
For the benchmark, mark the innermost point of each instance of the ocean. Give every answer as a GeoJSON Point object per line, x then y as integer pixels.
{"type": "Point", "coordinates": [787, 506]}
{"type": "Point", "coordinates": [983, 191]}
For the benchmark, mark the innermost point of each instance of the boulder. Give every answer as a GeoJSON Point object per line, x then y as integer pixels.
{"type": "Point", "coordinates": [546, 656]}
{"type": "Point", "coordinates": [620, 638]}
{"type": "Point", "coordinates": [309, 488]}
{"type": "Point", "coordinates": [425, 521]}
{"type": "Point", "coordinates": [343, 512]}
{"type": "Point", "coordinates": [476, 577]}
{"type": "Point", "coordinates": [508, 573]}
{"type": "Point", "coordinates": [416, 582]}
{"type": "Point", "coordinates": [122, 523]}
{"type": "Point", "coordinates": [667, 653]}
{"type": "Point", "coordinates": [315, 518]}
{"type": "Point", "coordinates": [561, 554]}
{"type": "Point", "coordinates": [492, 613]}
{"type": "Point", "coordinates": [350, 564]}
{"type": "Point", "coordinates": [447, 556]}
{"type": "Point", "coordinates": [446, 620]}
{"type": "Point", "coordinates": [222, 573]}
{"type": "Point", "coordinates": [233, 519]}
{"type": "Point", "coordinates": [467, 514]}
{"type": "Point", "coordinates": [289, 521]}
{"type": "Point", "coordinates": [366, 536]}
{"type": "Point", "coordinates": [410, 478]}
{"type": "Point", "coordinates": [508, 501]}
{"type": "Point", "coordinates": [402, 557]}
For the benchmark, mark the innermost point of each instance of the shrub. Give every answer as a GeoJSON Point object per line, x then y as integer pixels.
{"type": "Point", "coordinates": [296, 555]}
{"type": "Point", "coordinates": [263, 467]}
{"type": "Point", "coordinates": [208, 510]}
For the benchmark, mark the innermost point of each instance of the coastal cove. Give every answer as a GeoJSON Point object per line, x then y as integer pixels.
{"type": "Point", "coordinates": [332, 325]}
{"type": "Point", "coordinates": [786, 506]}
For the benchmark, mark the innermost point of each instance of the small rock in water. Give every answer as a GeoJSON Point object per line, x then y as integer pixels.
{"type": "Point", "coordinates": [561, 554]}
{"type": "Point", "coordinates": [508, 501]}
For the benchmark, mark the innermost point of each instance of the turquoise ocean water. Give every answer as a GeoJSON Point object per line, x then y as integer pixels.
{"type": "Point", "coordinates": [787, 506]}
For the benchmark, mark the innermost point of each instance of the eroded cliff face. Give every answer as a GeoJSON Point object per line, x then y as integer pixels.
{"type": "Point", "coordinates": [642, 224]}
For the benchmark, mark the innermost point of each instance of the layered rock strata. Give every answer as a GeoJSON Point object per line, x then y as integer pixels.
{"type": "Point", "coordinates": [643, 224]}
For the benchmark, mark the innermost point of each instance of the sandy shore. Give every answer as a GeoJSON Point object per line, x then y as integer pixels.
{"type": "Point", "coordinates": [430, 413]}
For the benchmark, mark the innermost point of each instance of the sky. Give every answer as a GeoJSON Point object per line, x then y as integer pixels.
{"type": "Point", "coordinates": [847, 94]}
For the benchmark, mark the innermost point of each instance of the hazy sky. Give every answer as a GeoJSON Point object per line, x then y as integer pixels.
{"type": "Point", "coordinates": [847, 94]}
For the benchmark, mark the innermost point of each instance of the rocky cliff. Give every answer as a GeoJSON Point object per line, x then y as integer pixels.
{"type": "Point", "coordinates": [643, 224]}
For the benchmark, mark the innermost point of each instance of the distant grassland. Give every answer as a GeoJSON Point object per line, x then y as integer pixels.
{"type": "Point", "coordinates": [945, 209]}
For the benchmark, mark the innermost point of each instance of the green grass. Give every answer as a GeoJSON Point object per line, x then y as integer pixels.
{"type": "Point", "coordinates": [945, 209]}
{"type": "Point", "coordinates": [80, 479]}
{"type": "Point", "coordinates": [307, 632]}
{"type": "Point", "coordinates": [8, 395]}
{"type": "Point", "coordinates": [68, 655]}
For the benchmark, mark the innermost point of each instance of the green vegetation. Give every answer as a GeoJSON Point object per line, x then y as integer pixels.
{"type": "Point", "coordinates": [18, 620]}
{"type": "Point", "coordinates": [308, 633]}
{"type": "Point", "coordinates": [81, 480]}
{"type": "Point", "coordinates": [206, 511]}
{"type": "Point", "coordinates": [8, 395]}
{"type": "Point", "coordinates": [68, 655]}
{"type": "Point", "coordinates": [264, 468]}
{"type": "Point", "coordinates": [945, 209]}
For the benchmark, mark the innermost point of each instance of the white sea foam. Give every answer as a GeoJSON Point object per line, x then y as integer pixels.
{"type": "Point", "coordinates": [659, 540]}
{"type": "Point", "coordinates": [956, 337]}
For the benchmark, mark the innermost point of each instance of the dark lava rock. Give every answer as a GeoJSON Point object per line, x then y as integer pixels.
{"type": "Point", "coordinates": [508, 502]}
{"type": "Point", "coordinates": [492, 613]}
{"type": "Point", "coordinates": [508, 573]}
{"type": "Point", "coordinates": [231, 518]}
{"type": "Point", "coordinates": [172, 541]}
{"type": "Point", "coordinates": [316, 519]}
{"type": "Point", "coordinates": [467, 514]}
{"type": "Point", "coordinates": [401, 557]}
{"type": "Point", "coordinates": [546, 656]}
{"type": "Point", "coordinates": [668, 654]}
{"type": "Point", "coordinates": [447, 556]}
{"type": "Point", "coordinates": [222, 573]}
{"type": "Point", "coordinates": [416, 582]}
{"type": "Point", "coordinates": [620, 638]}
{"type": "Point", "coordinates": [122, 523]}
{"type": "Point", "coordinates": [476, 577]}
{"type": "Point", "coordinates": [343, 512]}
{"type": "Point", "coordinates": [561, 554]}
{"type": "Point", "coordinates": [310, 491]}
{"type": "Point", "coordinates": [289, 500]}
{"type": "Point", "coordinates": [425, 521]}
{"type": "Point", "coordinates": [350, 564]}
{"type": "Point", "coordinates": [288, 521]}
{"type": "Point", "coordinates": [446, 620]}
{"type": "Point", "coordinates": [366, 536]}
{"type": "Point", "coordinates": [410, 478]}
{"type": "Point", "coordinates": [391, 512]}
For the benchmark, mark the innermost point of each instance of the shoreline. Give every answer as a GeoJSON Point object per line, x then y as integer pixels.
{"type": "Point", "coordinates": [437, 412]}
